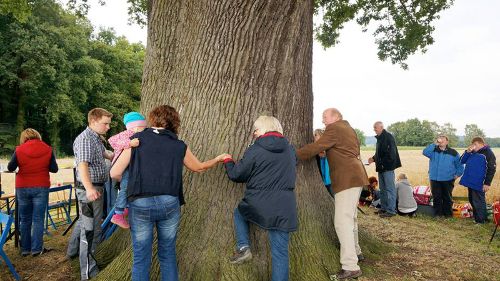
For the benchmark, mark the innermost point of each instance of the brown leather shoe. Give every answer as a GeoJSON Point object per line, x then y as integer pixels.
{"type": "Point", "coordinates": [347, 274]}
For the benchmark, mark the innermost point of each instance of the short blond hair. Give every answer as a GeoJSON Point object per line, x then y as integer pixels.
{"type": "Point", "coordinates": [97, 113]}
{"type": "Point", "coordinates": [267, 124]}
{"type": "Point", "coordinates": [444, 136]}
{"type": "Point", "coordinates": [29, 134]}
{"type": "Point", "coordinates": [402, 176]}
{"type": "Point", "coordinates": [318, 132]}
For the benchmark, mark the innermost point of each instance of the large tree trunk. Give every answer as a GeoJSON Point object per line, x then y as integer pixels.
{"type": "Point", "coordinates": [222, 64]}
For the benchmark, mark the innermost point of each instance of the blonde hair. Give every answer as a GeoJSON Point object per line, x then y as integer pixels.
{"type": "Point", "coordinates": [29, 134]}
{"type": "Point", "coordinates": [268, 124]}
{"type": "Point", "coordinates": [402, 176]}
{"type": "Point", "coordinates": [444, 136]}
{"type": "Point", "coordinates": [318, 132]}
{"type": "Point", "coordinates": [97, 113]}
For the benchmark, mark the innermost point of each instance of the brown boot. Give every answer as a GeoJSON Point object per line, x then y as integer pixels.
{"type": "Point", "coordinates": [347, 274]}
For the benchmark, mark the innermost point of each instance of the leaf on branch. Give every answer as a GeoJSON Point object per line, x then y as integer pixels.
{"type": "Point", "coordinates": [403, 26]}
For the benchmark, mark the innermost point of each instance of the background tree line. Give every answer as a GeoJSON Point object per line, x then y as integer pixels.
{"type": "Point", "coordinates": [414, 132]}
{"type": "Point", "coordinates": [54, 68]}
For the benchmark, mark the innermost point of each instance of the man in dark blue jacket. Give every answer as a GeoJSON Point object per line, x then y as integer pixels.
{"type": "Point", "coordinates": [444, 168]}
{"type": "Point", "coordinates": [480, 168]}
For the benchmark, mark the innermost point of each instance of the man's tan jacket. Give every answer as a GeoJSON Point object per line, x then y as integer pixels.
{"type": "Point", "coordinates": [342, 151]}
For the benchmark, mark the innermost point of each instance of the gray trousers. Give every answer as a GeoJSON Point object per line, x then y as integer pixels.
{"type": "Point", "coordinates": [87, 233]}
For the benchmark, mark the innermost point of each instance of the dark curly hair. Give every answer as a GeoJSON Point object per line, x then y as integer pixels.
{"type": "Point", "coordinates": [164, 116]}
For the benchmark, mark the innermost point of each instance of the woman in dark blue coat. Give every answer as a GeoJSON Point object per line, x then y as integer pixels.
{"type": "Point", "coordinates": [268, 167]}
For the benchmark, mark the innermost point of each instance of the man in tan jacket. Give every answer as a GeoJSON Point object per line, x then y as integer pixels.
{"type": "Point", "coordinates": [348, 176]}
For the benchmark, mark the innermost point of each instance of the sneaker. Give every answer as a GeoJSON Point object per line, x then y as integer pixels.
{"type": "Point", "coordinates": [120, 220]}
{"type": "Point", "coordinates": [240, 256]}
{"type": "Point", "coordinates": [378, 212]}
{"type": "Point", "coordinates": [25, 254]}
{"type": "Point", "coordinates": [347, 274]}
{"type": "Point", "coordinates": [386, 215]}
{"type": "Point", "coordinates": [44, 250]}
{"type": "Point", "coordinates": [361, 258]}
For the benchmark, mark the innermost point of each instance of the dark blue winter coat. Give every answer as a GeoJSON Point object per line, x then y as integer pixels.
{"type": "Point", "coordinates": [444, 165]}
{"type": "Point", "coordinates": [268, 167]}
{"type": "Point", "coordinates": [480, 168]}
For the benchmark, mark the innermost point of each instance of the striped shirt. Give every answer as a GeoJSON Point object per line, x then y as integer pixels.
{"type": "Point", "coordinates": [89, 148]}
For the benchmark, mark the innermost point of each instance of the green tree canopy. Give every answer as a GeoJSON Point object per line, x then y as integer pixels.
{"type": "Point", "coordinates": [450, 131]}
{"type": "Point", "coordinates": [53, 70]}
{"type": "Point", "coordinates": [361, 137]}
{"type": "Point", "coordinates": [414, 132]}
{"type": "Point", "coordinates": [401, 27]}
{"type": "Point", "coordinates": [472, 131]}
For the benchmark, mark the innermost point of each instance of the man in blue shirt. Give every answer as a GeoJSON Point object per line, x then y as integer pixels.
{"type": "Point", "coordinates": [444, 168]}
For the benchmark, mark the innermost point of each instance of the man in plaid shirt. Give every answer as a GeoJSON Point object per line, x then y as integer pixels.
{"type": "Point", "coordinates": [91, 175]}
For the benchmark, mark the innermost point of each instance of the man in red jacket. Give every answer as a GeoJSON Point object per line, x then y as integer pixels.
{"type": "Point", "coordinates": [91, 175]}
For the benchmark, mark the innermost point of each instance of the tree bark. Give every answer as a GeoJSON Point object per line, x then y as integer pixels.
{"type": "Point", "coordinates": [221, 64]}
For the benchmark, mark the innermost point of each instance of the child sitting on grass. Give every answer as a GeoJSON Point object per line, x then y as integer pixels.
{"type": "Point", "coordinates": [134, 122]}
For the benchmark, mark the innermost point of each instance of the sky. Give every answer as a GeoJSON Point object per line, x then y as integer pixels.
{"type": "Point", "coordinates": [456, 81]}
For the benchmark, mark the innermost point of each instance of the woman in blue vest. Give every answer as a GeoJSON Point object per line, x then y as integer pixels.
{"type": "Point", "coordinates": [268, 168]}
{"type": "Point", "coordinates": [155, 192]}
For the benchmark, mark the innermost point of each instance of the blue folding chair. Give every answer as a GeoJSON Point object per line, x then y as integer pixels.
{"type": "Point", "coordinates": [107, 226]}
{"type": "Point", "coordinates": [63, 203]}
{"type": "Point", "coordinates": [7, 221]}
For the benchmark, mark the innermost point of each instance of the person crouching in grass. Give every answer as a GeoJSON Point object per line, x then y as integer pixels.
{"type": "Point", "coordinates": [407, 206]}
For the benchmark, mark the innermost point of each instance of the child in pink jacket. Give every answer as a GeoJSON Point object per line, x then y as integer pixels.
{"type": "Point", "coordinates": [134, 122]}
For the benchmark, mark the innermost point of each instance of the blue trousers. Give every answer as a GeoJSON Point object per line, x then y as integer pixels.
{"type": "Point", "coordinates": [279, 246]}
{"type": "Point", "coordinates": [32, 207]}
{"type": "Point", "coordinates": [388, 194]}
{"type": "Point", "coordinates": [164, 213]}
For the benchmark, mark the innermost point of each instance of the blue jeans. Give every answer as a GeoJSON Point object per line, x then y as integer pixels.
{"type": "Point", "coordinates": [32, 203]}
{"type": "Point", "coordinates": [144, 214]}
{"type": "Point", "coordinates": [478, 202]}
{"type": "Point", "coordinates": [387, 191]}
{"type": "Point", "coordinates": [121, 199]}
{"type": "Point", "coordinates": [279, 246]}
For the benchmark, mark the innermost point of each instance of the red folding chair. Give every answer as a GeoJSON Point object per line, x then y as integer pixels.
{"type": "Point", "coordinates": [496, 218]}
